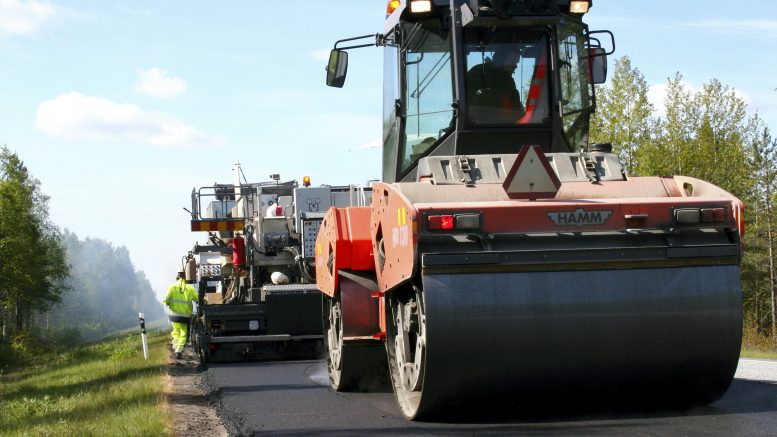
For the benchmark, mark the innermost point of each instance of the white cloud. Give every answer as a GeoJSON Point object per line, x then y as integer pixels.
{"type": "Point", "coordinates": [744, 96]}
{"type": "Point", "coordinates": [320, 55]}
{"type": "Point", "coordinates": [24, 18]}
{"type": "Point", "coordinates": [75, 116]}
{"type": "Point", "coordinates": [156, 82]}
{"type": "Point", "coordinates": [756, 28]}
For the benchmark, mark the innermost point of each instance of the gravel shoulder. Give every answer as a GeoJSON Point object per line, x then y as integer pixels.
{"type": "Point", "coordinates": [190, 403]}
{"type": "Point", "coordinates": [757, 370]}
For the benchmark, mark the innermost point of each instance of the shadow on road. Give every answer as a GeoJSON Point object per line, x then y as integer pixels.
{"type": "Point", "coordinates": [743, 397]}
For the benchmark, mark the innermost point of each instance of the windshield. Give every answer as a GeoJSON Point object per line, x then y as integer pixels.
{"type": "Point", "coordinates": [506, 76]}
{"type": "Point", "coordinates": [576, 88]}
{"type": "Point", "coordinates": [428, 90]}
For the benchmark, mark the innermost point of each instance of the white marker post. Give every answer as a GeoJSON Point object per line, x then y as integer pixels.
{"type": "Point", "coordinates": [143, 335]}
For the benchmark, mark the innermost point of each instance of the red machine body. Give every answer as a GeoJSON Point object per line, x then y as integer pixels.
{"type": "Point", "coordinates": [390, 246]}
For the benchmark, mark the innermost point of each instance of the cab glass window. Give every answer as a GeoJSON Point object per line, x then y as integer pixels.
{"type": "Point", "coordinates": [428, 90]}
{"type": "Point", "coordinates": [507, 81]}
{"type": "Point", "coordinates": [390, 97]}
{"type": "Point", "coordinates": [576, 89]}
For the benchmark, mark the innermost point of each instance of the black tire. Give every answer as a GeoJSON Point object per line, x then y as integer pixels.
{"type": "Point", "coordinates": [406, 347]}
{"type": "Point", "coordinates": [352, 367]}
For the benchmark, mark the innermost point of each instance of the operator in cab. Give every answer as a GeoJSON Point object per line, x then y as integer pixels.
{"type": "Point", "coordinates": [492, 92]}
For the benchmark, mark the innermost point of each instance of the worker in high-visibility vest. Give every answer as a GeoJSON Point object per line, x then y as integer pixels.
{"type": "Point", "coordinates": [180, 296]}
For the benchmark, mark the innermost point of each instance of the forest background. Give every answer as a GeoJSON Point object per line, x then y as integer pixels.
{"type": "Point", "coordinates": [57, 290]}
{"type": "Point", "coordinates": [709, 134]}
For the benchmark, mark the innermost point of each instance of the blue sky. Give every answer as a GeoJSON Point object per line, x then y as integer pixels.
{"type": "Point", "coordinates": [120, 108]}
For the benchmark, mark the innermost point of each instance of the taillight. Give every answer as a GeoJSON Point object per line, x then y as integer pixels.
{"type": "Point", "coordinates": [449, 222]}
{"type": "Point", "coordinates": [690, 216]}
{"type": "Point", "coordinates": [713, 215]}
{"type": "Point", "coordinates": [446, 222]}
{"type": "Point", "coordinates": [440, 222]}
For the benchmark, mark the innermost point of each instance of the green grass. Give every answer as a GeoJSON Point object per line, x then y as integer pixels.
{"type": "Point", "coordinates": [103, 389]}
{"type": "Point", "coordinates": [755, 345]}
{"type": "Point", "coordinates": [755, 353]}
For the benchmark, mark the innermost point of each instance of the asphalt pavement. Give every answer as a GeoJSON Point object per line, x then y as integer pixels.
{"type": "Point", "coordinates": [294, 398]}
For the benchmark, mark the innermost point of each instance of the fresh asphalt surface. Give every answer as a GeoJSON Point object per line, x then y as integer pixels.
{"type": "Point", "coordinates": [293, 397]}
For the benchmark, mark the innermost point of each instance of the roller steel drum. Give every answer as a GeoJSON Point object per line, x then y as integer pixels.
{"type": "Point", "coordinates": [518, 338]}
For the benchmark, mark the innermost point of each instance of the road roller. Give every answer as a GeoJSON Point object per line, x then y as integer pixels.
{"type": "Point", "coordinates": [505, 259]}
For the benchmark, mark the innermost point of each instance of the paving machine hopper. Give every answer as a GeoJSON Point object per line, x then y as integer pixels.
{"type": "Point", "coordinates": [504, 258]}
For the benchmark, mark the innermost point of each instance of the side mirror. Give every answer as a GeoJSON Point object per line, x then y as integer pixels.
{"type": "Point", "coordinates": [597, 54]}
{"type": "Point", "coordinates": [597, 62]}
{"type": "Point", "coordinates": [337, 68]}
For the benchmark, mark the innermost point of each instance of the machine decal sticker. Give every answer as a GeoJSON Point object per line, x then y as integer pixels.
{"type": "Point", "coordinates": [579, 217]}
{"type": "Point", "coordinates": [401, 216]}
{"type": "Point", "coordinates": [400, 236]}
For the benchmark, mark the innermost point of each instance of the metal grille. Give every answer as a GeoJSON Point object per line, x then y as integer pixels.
{"type": "Point", "coordinates": [290, 288]}
{"type": "Point", "coordinates": [209, 270]}
{"type": "Point", "coordinates": [309, 233]}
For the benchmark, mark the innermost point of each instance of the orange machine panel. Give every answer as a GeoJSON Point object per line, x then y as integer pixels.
{"type": "Point", "coordinates": [343, 243]}
{"type": "Point", "coordinates": [358, 221]}
{"type": "Point", "coordinates": [394, 236]}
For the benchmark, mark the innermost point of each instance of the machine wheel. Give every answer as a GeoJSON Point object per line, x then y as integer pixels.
{"type": "Point", "coordinates": [196, 341]}
{"type": "Point", "coordinates": [333, 341]}
{"type": "Point", "coordinates": [406, 345]}
{"type": "Point", "coordinates": [202, 353]}
{"type": "Point", "coordinates": [352, 366]}
{"type": "Point", "coordinates": [342, 377]}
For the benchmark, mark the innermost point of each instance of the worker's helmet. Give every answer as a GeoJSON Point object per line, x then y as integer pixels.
{"type": "Point", "coordinates": [506, 55]}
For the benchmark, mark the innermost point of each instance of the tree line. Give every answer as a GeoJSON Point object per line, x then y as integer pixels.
{"type": "Point", "coordinates": [33, 264]}
{"type": "Point", "coordinates": [708, 134]}
{"type": "Point", "coordinates": [51, 280]}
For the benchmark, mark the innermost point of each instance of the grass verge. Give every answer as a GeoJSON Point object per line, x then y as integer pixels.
{"type": "Point", "coordinates": [105, 388]}
{"type": "Point", "coordinates": [755, 345]}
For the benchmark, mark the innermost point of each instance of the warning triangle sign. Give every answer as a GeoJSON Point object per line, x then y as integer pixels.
{"type": "Point", "coordinates": [531, 177]}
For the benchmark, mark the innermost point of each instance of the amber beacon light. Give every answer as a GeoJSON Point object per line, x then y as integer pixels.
{"type": "Point", "coordinates": [392, 6]}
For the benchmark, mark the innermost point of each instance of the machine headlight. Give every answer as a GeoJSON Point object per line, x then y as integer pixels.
{"type": "Point", "coordinates": [420, 6]}
{"type": "Point", "coordinates": [578, 7]}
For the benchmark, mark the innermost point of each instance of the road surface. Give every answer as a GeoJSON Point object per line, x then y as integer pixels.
{"type": "Point", "coordinates": [294, 398]}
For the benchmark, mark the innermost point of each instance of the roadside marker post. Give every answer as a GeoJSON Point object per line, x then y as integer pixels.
{"type": "Point", "coordinates": [143, 335]}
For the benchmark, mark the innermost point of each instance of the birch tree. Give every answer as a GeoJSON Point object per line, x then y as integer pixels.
{"type": "Point", "coordinates": [758, 267]}
{"type": "Point", "coordinates": [624, 114]}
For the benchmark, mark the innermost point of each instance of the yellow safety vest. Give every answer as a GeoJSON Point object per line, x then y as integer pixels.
{"type": "Point", "coordinates": [179, 299]}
